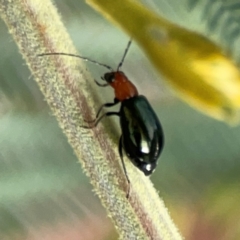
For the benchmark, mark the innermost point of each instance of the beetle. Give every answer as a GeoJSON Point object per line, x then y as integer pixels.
{"type": "Point", "coordinates": [142, 136]}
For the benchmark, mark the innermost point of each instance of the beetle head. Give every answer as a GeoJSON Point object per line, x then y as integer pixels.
{"type": "Point", "coordinates": [109, 77]}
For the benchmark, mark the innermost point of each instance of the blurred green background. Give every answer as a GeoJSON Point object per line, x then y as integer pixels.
{"type": "Point", "coordinates": [43, 191]}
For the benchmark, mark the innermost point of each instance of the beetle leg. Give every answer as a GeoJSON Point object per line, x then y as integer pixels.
{"type": "Point", "coordinates": [116, 101]}
{"type": "Point", "coordinates": [101, 117]}
{"type": "Point", "coordinates": [100, 84]}
{"type": "Point", "coordinates": [120, 147]}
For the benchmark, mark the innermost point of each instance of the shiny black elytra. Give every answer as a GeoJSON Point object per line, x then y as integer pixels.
{"type": "Point", "coordinates": [142, 135]}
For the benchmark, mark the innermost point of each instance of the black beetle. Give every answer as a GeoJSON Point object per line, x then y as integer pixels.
{"type": "Point", "coordinates": [142, 135]}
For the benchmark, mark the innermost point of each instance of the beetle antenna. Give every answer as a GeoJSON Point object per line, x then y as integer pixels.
{"type": "Point", "coordinates": [77, 56]}
{"type": "Point", "coordinates": [124, 55]}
